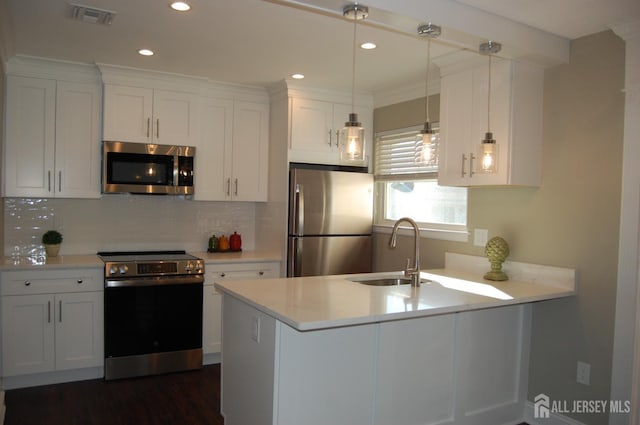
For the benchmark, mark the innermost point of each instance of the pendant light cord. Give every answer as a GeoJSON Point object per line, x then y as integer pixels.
{"type": "Point", "coordinates": [353, 75]}
{"type": "Point", "coordinates": [489, 99]}
{"type": "Point", "coordinates": [426, 88]}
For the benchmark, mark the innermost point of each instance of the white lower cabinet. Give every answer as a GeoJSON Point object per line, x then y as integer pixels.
{"type": "Point", "coordinates": [465, 368]}
{"type": "Point", "coordinates": [212, 299]}
{"type": "Point", "coordinates": [51, 321]}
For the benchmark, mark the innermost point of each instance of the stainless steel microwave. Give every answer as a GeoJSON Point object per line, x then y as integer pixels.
{"type": "Point", "coordinates": [147, 168]}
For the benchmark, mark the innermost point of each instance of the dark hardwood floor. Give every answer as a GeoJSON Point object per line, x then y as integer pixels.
{"type": "Point", "coordinates": [189, 398]}
{"type": "Point", "coordinates": [185, 398]}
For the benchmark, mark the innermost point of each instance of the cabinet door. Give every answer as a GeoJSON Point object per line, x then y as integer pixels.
{"type": "Point", "coordinates": [79, 330]}
{"type": "Point", "coordinates": [312, 126]}
{"type": "Point", "coordinates": [77, 152]}
{"type": "Point", "coordinates": [212, 299]}
{"type": "Point", "coordinates": [212, 325]}
{"type": "Point", "coordinates": [175, 118]}
{"type": "Point", "coordinates": [30, 137]}
{"type": "Point", "coordinates": [127, 114]}
{"type": "Point", "coordinates": [27, 334]}
{"type": "Point", "coordinates": [249, 168]}
{"type": "Point", "coordinates": [455, 128]}
{"type": "Point", "coordinates": [214, 150]}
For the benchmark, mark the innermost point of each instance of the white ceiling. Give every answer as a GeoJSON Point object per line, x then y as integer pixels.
{"type": "Point", "coordinates": [259, 42]}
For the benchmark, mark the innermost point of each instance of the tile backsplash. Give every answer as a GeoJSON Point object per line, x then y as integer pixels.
{"type": "Point", "coordinates": [123, 222]}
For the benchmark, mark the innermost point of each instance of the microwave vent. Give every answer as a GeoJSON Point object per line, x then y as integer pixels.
{"type": "Point", "coordinates": [91, 14]}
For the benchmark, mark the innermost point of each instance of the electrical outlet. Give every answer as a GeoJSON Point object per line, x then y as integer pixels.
{"type": "Point", "coordinates": [480, 237]}
{"type": "Point", "coordinates": [583, 373]}
{"type": "Point", "coordinates": [255, 328]}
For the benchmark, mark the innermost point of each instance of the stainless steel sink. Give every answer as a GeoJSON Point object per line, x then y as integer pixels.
{"type": "Point", "coordinates": [385, 281]}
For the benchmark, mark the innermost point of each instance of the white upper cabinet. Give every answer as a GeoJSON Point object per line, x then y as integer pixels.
{"type": "Point", "coordinates": [232, 155]}
{"type": "Point", "coordinates": [312, 128]}
{"type": "Point", "coordinates": [213, 150]}
{"type": "Point", "coordinates": [144, 115]}
{"type": "Point", "coordinates": [516, 123]}
{"type": "Point", "coordinates": [52, 145]}
{"type": "Point", "coordinates": [315, 128]}
{"type": "Point", "coordinates": [315, 120]}
{"type": "Point", "coordinates": [248, 175]}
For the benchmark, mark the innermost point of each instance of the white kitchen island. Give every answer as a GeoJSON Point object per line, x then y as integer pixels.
{"type": "Point", "coordinates": [327, 350]}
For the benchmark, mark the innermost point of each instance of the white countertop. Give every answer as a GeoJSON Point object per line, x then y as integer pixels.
{"type": "Point", "coordinates": [320, 302]}
{"type": "Point", "coordinates": [92, 260]}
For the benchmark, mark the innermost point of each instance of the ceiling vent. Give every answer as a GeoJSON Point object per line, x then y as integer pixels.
{"type": "Point", "coordinates": [91, 14]}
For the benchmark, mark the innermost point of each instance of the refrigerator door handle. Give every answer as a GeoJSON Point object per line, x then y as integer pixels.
{"type": "Point", "coordinates": [299, 211]}
{"type": "Point", "coordinates": [294, 262]}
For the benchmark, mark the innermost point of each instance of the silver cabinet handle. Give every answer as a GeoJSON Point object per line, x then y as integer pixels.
{"type": "Point", "coordinates": [148, 126]}
{"type": "Point", "coordinates": [464, 159]}
{"type": "Point", "coordinates": [471, 158]}
{"type": "Point", "coordinates": [236, 191]}
{"type": "Point", "coordinates": [337, 138]}
{"type": "Point", "coordinates": [59, 181]}
{"type": "Point", "coordinates": [79, 281]}
{"type": "Point", "coordinates": [48, 311]}
{"type": "Point", "coordinates": [49, 181]}
{"type": "Point", "coordinates": [60, 311]}
{"type": "Point", "coordinates": [157, 128]}
{"type": "Point", "coordinates": [27, 283]}
{"type": "Point", "coordinates": [330, 138]}
{"type": "Point", "coordinates": [229, 187]}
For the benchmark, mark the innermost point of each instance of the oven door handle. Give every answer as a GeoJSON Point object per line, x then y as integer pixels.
{"type": "Point", "coordinates": [154, 281]}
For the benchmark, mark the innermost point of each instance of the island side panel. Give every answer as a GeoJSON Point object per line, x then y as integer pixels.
{"type": "Point", "coordinates": [326, 376]}
{"type": "Point", "coordinates": [415, 381]}
{"type": "Point", "coordinates": [492, 365]}
{"type": "Point", "coordinates": [248, 359]}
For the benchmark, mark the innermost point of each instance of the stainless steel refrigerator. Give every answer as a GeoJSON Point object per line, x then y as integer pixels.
{"type": "Point", "coordinates": [330, 222]}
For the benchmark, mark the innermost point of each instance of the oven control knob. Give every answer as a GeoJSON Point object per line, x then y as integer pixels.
{"type": "Point", "coordinates": [188, 267]}
{"type": "Point", "coordinates": [123, 269]}
{"type": "Point", "coordinates": [113, 270]}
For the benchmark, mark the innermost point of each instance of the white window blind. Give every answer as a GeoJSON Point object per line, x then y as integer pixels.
{"type": "Point", "coordinates": [395, 156]}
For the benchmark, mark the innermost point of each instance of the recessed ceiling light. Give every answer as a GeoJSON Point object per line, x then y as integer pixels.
{"type": "Point", "coordinates": [297, 76]}
{"type": "Point", "coordinates": [180, 6]}
{"type": "Point", "coordinates": [145, 52]}
{"type": "Point", "coordinates": [368, 45]}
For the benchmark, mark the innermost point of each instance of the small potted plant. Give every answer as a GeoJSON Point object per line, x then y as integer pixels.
{"type": "Point", "coordinates": [52, 240]}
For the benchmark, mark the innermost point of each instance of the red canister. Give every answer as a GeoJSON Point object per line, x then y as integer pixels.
{"type": "Point", "coordinates": [235, 242]}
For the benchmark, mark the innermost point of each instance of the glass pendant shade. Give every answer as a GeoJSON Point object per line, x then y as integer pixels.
{"type": "Point", "coordinates": [489, 154]}
{"type": "Point", "coordinates": [352, 140]}
{"type": "Point", "coordinates": [427, 147]}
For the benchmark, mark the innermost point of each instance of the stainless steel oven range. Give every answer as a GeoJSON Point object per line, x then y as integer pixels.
{"type": "Point", "coordinates": [152, 312]}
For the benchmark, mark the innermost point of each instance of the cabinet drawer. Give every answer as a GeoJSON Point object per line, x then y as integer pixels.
{"type": "Point", "coordinates": [51, 281]}
{"type": "Point", "coordinates": [220, 272]}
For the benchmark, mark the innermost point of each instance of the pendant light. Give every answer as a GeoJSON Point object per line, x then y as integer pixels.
{"type": "Point", "coordinates": [352, 134]}
{"type": "Point", "coordinates": [489, 147]}
{"type": "Point", "coordinates": [427, 143]}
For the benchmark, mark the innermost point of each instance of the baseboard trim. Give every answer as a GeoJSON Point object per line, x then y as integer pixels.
{"type": "Point", "coordinates": [48, 378]}
{"type": "Point", "coordinates": [553, 419]}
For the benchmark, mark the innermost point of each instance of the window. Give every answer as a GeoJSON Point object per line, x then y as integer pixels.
{"type": "Point", "coordinates": [407, 188]}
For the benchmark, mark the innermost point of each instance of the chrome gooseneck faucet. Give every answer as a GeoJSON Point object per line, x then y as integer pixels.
{"type": "Point", "coordinates": [413, 272]}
